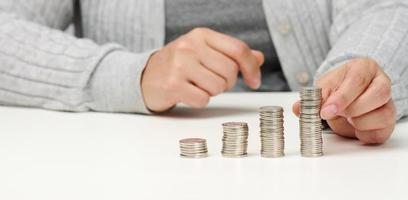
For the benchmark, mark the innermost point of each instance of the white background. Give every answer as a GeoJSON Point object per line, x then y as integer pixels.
{"type": "Point", "coordinates": [48, 155]}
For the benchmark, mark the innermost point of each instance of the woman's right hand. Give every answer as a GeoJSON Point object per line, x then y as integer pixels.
{"type": "Point", "coordinates": [196, 66]}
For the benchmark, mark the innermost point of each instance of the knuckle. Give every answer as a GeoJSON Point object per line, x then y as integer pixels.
{"type": "Point", "coordinates": [363, 65]}
{"type": "Point", "coordinates": [199, 31]}
{"type": "Point", "coordinates": [372, 65]}
{"type": "Point", "coordinates": [359, 78]}
{"type": "Point", "coordinates": [241, 49]}
{"type": "Point", "coordinates": [388, 80]}
{"type": "Point", "coordinates": [342, 98]}
{"type": "Point", "coordinates": [177, 62]}
{"type": "Point", "coordinates": [356, 61]}
{"type": "Point", "coordinates": [384, 91]}
{"type": "Point", "coordinates": [354, 64]}
{"type": "Point", "coordinates": [183, 44]}
{"type": "Point", "coordinates": [328, 80]}
{"type": "Point", "coordinates": [331, 82]}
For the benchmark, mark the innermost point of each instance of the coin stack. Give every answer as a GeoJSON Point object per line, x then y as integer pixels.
{"type": "Point", "coordinates": [193, 148]}
{"type": "Point", "coordinates": [235, 139]}
{"type": "Point", "coordinates": [271, 125]}
{"type": "Point", "coordinates": [310, 122]}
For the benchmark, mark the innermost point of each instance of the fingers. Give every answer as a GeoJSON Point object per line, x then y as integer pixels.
{"type": "Point", "coordinates": [296, 108]}
{"type": "Point", "coordinates": [220, 65]}
{"type": "Point", "coordinates": [207, 80]}
{"type": "Point", "coordinates": [331, 81]}
{"type": "Point", "coordinates": [375, 136]}
{"type": "Point", "coordinates": [193, 96]}
{"type": "Point", "coordinates": [357, 101]}
{"type": "Point", "coordinates": [357, 78]}
{"type": "Point", "coordinates": [339, 124]}
{"type": "Point", "coordinates": [248, 62]}
{"type": "Point", "coordinates": [342, 127]}
{"type": "Point", "coordinates": [380, 118]}
{"type": "Point", "coordinates": [376, 95]}
{"type": "Point", "coordinates": [259, 56]}
{"type": "Point", "coordinates": [202, 77]}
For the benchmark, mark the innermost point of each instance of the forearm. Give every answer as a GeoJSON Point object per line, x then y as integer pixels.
{"type": "Point", "coordinates": [44, 67]}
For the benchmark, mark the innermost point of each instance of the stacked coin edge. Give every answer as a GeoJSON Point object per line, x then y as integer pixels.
{"type": "Point", "coordinates": [272, 131]}
{"type": "Point", "coordinates": [235, 139]}
{"type": "Point", "coordinates": [193, 148]}
{"type": "Point", "coordinates": [310, 123]}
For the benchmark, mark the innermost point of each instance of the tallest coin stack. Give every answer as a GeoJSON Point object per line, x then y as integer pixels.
{"type": "Point", "coordinates": [310, 122]}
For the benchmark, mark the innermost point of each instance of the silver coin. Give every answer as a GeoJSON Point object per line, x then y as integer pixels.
{"type": "Point", "coordinates": [310, 123]}
{"type": "Point", "coordinates": [235, 139]}
{"type": "Point", "coordinates": [193, 148]}
{"type": "Point", "coordinates": [192, 141]}
{"type": "Point", "coordinates": [271, 131]}
{"type": "Point", "coordinates": [194, 156]}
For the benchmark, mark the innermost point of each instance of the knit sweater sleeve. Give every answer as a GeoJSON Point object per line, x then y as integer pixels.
{"type": "Point", "coordinates": [377, 29]}
{"type": "Point", "coordinates": [44, 67]}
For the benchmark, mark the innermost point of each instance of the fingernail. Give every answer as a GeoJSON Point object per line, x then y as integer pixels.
{"type": "Point", "coordinates": [257, 80]}
{"type": "Point", "coordinates": [257, 83]}
{"type": "Point", "coordinates": [329, 112]}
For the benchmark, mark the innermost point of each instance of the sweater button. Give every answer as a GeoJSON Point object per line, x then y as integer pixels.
{"type": "Point", "coordinates": [303, 78]}
{"type": "Point", "coordinates": [284, 28]}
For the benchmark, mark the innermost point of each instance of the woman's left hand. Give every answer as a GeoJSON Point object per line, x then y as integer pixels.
{"type": "Point", "coordinates": [356, 101]}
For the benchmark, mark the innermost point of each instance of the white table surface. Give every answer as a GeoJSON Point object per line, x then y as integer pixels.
{"type": "Point", "coordinates": [48, 155]}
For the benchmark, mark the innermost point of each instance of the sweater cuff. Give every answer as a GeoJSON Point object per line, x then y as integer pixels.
{"type": "Point", "coordinates": [116, 83]}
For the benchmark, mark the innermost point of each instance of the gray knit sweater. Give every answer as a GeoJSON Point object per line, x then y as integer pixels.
{"type": "Point", "coordinates": [42, 66]}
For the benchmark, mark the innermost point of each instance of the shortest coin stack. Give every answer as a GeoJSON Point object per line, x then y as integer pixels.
{"type": "Point", "coordinates": [193, 148]}
{"type": "Point", "coordinates": [271, 124]}
{"type": "Point", "coordinates": [235, 139]}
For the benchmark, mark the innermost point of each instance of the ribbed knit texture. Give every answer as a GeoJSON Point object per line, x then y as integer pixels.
{"type": "Point", "coordinates": [44, 67]}
{"type": "Point", "coordinates": [315, 36]}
